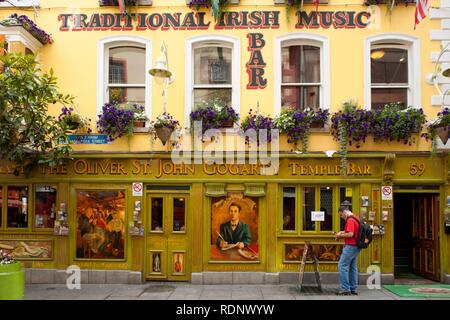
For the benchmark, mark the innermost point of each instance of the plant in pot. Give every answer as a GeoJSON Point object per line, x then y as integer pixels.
{"type": "Point", "coordinates": [439, 127]}
{"type": "Point", "coordinates": [350, 126]}
{"type": "Point", "coordinates": [115, 121]}
{"type": "Point", "coordinates": [214, 114]}
{"type": "Point", "coordinates": [12, 278]}
{"type": "Point", "coordinates": [394, 123]}
{"type": "Point", "coordinates": [257, 121]}
{"type": "Point", "coordinates": [139, 116]}
{"type": "Point", "coordinates": [72, 122]}
{"type": "Point", "coordinates": [163, 126]}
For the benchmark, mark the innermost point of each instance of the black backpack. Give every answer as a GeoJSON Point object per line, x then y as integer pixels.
{"type": "Point", "coordinates": [364, 236]}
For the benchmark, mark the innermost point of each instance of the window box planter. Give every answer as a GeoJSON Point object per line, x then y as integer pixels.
{"type": "Point", "coordinates": [12, 281]}
{"type": "Point", "coordinates": [23, 21]}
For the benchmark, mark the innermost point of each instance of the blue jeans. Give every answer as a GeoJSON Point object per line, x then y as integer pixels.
{"type": "Point", "coordinates": [348, 268]}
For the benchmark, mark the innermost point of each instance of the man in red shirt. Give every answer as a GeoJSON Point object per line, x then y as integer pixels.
{"type": "Point", "coordinates": [348, 262]}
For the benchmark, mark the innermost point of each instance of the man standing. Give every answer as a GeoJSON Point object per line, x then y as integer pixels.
{"type": "Point", "coordinates": [234, 231]}
{"type": "Point", "coordinates": [348, 262]}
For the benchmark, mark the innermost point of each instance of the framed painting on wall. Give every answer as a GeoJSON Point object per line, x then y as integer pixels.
{"type": "Point", "coordinates": [24, 249]}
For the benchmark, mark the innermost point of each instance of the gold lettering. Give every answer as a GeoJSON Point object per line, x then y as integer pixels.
{"type": "Point", "coordinates": [234, 170]}
{"type": "Point", "coordinates": [135, 167]}
{"type": "Point", "coordinates": [168, 165]}
{"type": "Point", "coordinates": [303, 170]}
{"type": "Point", "coordinates": [104, 166]}
{"type": "Point", "coordinates": [323, 169]}
{"type": "Point", "coordinates": [254, 169]}
{"type": "Point", "coordinates": [190, 168]}
{"type": "Point", "coordinates": [245, 169]}
{"type": "Point", "coordinates": [113, 168]}
{"type": "Point", "coordinates": [178, 169]}
{"type": "Point", "coordinates": [148, 167]}
{"type": "Point", "coordinates": [367, 169]}
{"type": "Point", "coordinates": [80, 167]}
{"type": "Point", "coordinates": [222, 169]}
{"type": "Point", "coordinates": [205, 169]}
{"type": "Point", "coordinates": [160, 170]}
{"type": "Point", "coordinates": [351, 168]}
{"type": "Point", "coordinates": [311, 170]}
{"type": "Point", "coordinates": [293, 165]}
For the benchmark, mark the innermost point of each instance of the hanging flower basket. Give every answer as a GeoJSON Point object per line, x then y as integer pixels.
{"type": "Point", "coordinates": [163, 134]}
{"type": "Point", "coordinates": [442, 133]}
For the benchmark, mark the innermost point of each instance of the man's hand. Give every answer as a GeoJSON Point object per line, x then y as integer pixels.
{"type": "Point", "coordinates": [240, 245]}
{"type": "Point", "coordinates": [222, 243]}
{"type": "Point", "coordinates": [340, 234]}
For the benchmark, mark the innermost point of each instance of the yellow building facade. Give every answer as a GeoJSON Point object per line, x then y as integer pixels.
{"type": "Point", "coordinates": [128, 211]}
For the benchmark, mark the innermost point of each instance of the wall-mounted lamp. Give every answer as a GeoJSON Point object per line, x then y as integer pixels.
{"type": "Point", "coordinates": [161, 72]}
{"type": "Point", "coordinates": [433, 78]}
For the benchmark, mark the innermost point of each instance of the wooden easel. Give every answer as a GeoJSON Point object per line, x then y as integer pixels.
{"type": "Point", "coordinates": [301, 273]}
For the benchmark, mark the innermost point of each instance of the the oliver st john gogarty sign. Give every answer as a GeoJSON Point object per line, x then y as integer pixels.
{"type": "Point", "coordinates": [198, 21]}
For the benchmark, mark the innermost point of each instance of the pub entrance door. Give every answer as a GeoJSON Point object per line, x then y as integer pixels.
{"type": "Point", "coordinates": [416, 240]}
{"type": "Point", "coordinates": [167, 239]}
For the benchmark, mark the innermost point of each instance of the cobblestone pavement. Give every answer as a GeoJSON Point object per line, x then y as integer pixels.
{"type": "Point", "coordinates": [186, 291]}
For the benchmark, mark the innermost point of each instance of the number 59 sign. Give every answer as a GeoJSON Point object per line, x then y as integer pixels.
{"type": "Point", "coordinates": [416, 169]}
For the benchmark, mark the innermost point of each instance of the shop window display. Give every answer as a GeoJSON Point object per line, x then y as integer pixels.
{"type": "Point", "coordinates": [326, 205]}
{"type": "Point", "coordinates": [179, 214]}
{"type": "Point", "coordinates": [17, 213]}
{"type": "Point", "coordinates": [100, 224]}
{"type": "Point", "coordinates": [157, 214]}
{"type": "Point", "coordinates": [45, 206]}
{"type": "Point", "coordinates": [288, 209]}
{"type": "Point", "coordinates": [309, 196]}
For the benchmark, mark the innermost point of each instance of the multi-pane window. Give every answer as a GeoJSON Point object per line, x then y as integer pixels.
{"type": "Point", "coordinates": [126, 74]}
{"type": "Point", "coordinates": [45, 206]}
{"type": "Point", "coordinates": [300, 76]}
{"type": "Point", "coordinates": [389, 75]}
{"type": "Point", "coordinates": [17, 209]}
{"type": "Point", "coordinates": [212, 73]}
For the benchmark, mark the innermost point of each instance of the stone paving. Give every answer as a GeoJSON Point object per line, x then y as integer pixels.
{"type": "Point", "coordinates": [187, 291]}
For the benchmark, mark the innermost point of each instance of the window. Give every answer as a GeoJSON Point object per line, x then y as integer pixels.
{"type": "Point", "coordinates": [212, 71]}
{"type": "Point", "coordinates": [17, 210]}
{"type": "Point", "coordinates": [288, 209]}
{"type": "Point", "coordinates": [309, 205]}
{"type": "Point", "coordinates": [392, 71]}
{"type": "Point", "coordinates": [123, 75]}
{"type": "Point", "coordinates": [45, 206]}
{"type": "Point", "coordinates": [389, 75]}
{"type": "Point", "coordinates": [301, 77]}
{"type": "Point", "coordinates": [126, 74]}
{"type": "Point", "coordinates": [212, 74]}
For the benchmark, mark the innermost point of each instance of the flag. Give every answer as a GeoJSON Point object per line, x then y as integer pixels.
{"type": "Point", "coordinates": [316, 4]}
{"type": "Point", "coordinates": [122, 6]}
{"type": "Point", "coordinates": [422, 8]}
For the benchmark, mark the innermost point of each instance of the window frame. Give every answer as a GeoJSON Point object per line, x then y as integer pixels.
{"type": "Point", "coordinates": [303, 39]}
{"type": "Point", "coordinates": [401, 41]}
{"type": "Point", "coordinates": [30, 207]}
{"type": "Point", "coordinates": [204, 41]}
{"type": "Point", "coordinates": [57, 203]}
{"type": "Point", "coordinates": [104, 45]}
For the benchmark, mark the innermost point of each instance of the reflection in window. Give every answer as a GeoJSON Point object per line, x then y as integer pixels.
{"type": "Point", "coordinates": [300, 72]}
{"type": "Point", "coordinates": [17, 214]}
{"type": "Point", "coordinates": [212, 74]}
{"type": "Point", "coordinates": [389, 76]}
{"type": "Point", "coordinates": [126, 74]}
{"type": "Point", "coordinates": [289, 208]}
{"type": "Point", "coordinates": [45, 206]}
{"type": "Point", "coordinates": [309, 196]}
{"type": "Point", "coordinates": [326, 205]}
{"type": "Point", "coordinates": [179, 212]}
{"type": "Point", "coordinates": [157, 214]}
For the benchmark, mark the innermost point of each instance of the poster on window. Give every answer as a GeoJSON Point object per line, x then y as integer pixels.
{"type": "Point", "coordinates": [100, 224]}
{"type": "Point", "coordinates": [234, 228]}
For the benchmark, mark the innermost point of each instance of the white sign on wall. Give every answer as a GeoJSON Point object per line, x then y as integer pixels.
{"type": "Point", "coordinates": [137, 189]}
{"type": "Point", "coordinates": [386, 192]}
{"type": "Point", "coordinates": [317, 215]}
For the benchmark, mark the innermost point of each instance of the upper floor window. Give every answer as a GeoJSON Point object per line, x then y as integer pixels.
{"type": "Point", "coordinates": [212, 65]}
{"type": "Point", "coordinates": [302, 80]}
{"type": "Point", "coordinates": [212, 73]}
{"type": "Point", "coordinates": [123, 75]}
{"type": "Point", "coordinates": [126, 74]}
{"type": "Point", "coordinates": [19, 3]}
{"type": "Point", "coordinates": [389, 75]}
{"type": "Point", "coordinates": [392, 71]}
{"type": "Point", "coordinates": [300, 76]}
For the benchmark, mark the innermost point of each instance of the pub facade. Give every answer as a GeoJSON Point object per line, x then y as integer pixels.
{"type": "Point", "coordinates": [136, 209]}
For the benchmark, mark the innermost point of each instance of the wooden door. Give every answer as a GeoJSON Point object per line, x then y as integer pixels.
{"type": "Point", "coordinates": [167, 240]}
{"type": "Point", "coordinates": [425, 236]}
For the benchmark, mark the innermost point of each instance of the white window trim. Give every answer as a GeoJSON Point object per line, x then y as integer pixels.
{"type": "Point", "coordinates": [19, 34]}
{"type": "Point", "coordinates": [20, 3]}
{"type": "Point", "coordinates": [412, 44]}
{"type": "Point", "coordinates": [102, 68]}
{"type": "Point", "coordinates": [304, 38]}
{"type": "Point", "coordinates": [232, 42]}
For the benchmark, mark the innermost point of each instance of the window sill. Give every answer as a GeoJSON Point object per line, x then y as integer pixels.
{"type": "Point", "coordinates": [229, 2]}
{"type": "Point", "coordinates": [140, 3]}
